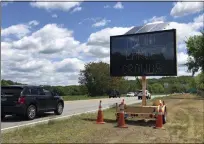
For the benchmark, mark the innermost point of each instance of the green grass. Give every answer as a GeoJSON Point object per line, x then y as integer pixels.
{"type": "Point", "coordinates": [83, 129]}
{"type": "Point", "coordinates": [81, 97]}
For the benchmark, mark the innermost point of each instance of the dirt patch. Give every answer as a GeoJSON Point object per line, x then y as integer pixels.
{"type": "Point", "coordinates": [184, 125]}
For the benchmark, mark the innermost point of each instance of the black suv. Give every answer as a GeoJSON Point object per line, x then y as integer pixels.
{"type": "Point", "coordinates": [114, 94]}
{"type": "Point", "coordinates": [28, 101]}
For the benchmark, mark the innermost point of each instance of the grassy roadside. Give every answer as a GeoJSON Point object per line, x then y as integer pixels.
{"type": "Point", "coordinates": [184, 124]}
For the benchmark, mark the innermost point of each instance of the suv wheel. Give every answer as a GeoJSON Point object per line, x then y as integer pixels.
{"type": "Point", "coordinates": [59, 109]}
{"type": "Point", "coordinates": [31, 112]}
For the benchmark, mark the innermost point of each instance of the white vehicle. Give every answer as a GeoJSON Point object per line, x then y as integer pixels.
{"type": "Point", "coordinates": [130, 94]}
{"type": "Point", "coordinates": [140, 94]}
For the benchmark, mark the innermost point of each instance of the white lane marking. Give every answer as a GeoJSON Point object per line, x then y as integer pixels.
{"type": "Point", "coordinates": [46, 120]}
{"type": "Point", "coordinates": [60, 117]}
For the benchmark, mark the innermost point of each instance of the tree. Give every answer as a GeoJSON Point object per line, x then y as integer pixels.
{"type": "Point", "coordinates": [176, 88]}
{"type": "Point", "coordinates": [157, 88]}
{"type": "Point", "coordinates": [97, 79]}
{"type": "Point", "coordinates": [4, 83]}
{"type": "Point", "coordinates": [199, 80]}
{"type": "Point", "coordinates": [195, 50]}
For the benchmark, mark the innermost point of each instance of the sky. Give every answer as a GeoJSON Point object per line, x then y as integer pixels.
{"type": "Point", "coordinates": [50, 42]}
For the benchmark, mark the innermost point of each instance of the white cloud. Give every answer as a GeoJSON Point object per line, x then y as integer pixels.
{"type": "Point", "coordinates": [155, 19]}
{"type": "Point", "coordinates": [48, 40]}
{"type": "Point", "coordinates": [18, 30]}
{"type": "Point", "coordinates": [185, 30]}
{"type": "Point", "coordinates": [98, 46]}
{"type": "Point", "coordinates": [54, 15]}
{"type": "Point", "coordinates": [7, 53]}
{"type": "Point", "coordinates": [118, 5]}
{"type": "Point", "coordinates": [98, 43]}
{"type": "Point", "coordinates": [76, 9]}
{"type": "Point", "coordinates": [69, 65]}
{"type": "Point", "coordinates": [102, 39]}
{"type": "Point", "coordinates": [181, 47]}
{"type": "Point", "coordinates": [101, 23]}
{"type": "Point", "coordinates": [51, 55]}
{"type": "Point", "coordinates": [186, 8]}
{"type": "Point", "coordinates": [95, 19]}
{"type": "Point", "coordinates": [199, 19]}
{"type": "Point", "coordinates": [34, 23]}
{"type": "Point", "coordinates": [42, 71]}
{"type": "Point", "coordinates": [64, 6]}
{"type": "Point", "coordinates": [30, 67]}
{"type": "Point", "coordinates": [106, 6]}
{"type": "Point", "coordinates": [182, 58]}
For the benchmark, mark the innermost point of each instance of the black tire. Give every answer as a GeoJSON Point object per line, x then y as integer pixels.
{"type": "Point", "coordinates": [2, 116]}
{"type": "Point", "coordinates": [164, 117]}
{"type": "Point", "coordinates": [59, 108]}
{"type": "Point", "coordinates": [31, 112]}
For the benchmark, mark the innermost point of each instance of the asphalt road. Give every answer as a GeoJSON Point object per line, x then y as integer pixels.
{"type": "Point", "coordinates": [71, 108]}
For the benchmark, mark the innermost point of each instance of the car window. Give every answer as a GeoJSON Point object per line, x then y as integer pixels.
{"type": "Point", "coordinates": [11, 91]}
{"type": "Point", "coordinates": [34, 91]}
{"type": "Point", "coordinates": [47, 93]}
{"type": "Point", "coordinates": [26, 91]}
{"type": "Point", "coordinates": [40, 91]}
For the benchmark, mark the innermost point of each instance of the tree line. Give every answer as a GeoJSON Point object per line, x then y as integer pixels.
{"type": "Point", "coordinates": [101, 84]}
{"type": "Point", "coordinates": [95, 79]}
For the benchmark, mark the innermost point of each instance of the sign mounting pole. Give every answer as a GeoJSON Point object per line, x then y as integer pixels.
{"type": "Point", "coordinates": [144, 85]}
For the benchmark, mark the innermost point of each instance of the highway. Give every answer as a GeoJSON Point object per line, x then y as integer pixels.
{"type": "Point", "coordinates": [71, 108]}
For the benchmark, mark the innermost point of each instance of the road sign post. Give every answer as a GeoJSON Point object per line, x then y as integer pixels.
{"type": "Point", "coordinates": [144, 84]}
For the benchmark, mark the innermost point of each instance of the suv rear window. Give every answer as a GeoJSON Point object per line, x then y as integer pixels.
{"type": "Point", "coordinates": [11, 91]}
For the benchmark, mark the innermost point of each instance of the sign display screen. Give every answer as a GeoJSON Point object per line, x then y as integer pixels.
{"type": "Point", "coordinates": [144, 54]}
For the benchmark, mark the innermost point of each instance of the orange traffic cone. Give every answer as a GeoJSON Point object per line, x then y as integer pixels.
{"type": "Point", "coordinates": [121, 120]}
{"type": "Point", "coordinates": [159, 121]}
{"type": "Point", "coordinates": [100, 115]}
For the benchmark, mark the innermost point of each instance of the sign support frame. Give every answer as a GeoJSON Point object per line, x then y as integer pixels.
{"type": "Point", "coordinates": [144, 86]}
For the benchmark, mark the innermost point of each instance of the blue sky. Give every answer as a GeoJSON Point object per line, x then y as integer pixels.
{"type": "Point", "coordinates": [133, 14]}
{"type": "Point", "coordinates": [83, 29]}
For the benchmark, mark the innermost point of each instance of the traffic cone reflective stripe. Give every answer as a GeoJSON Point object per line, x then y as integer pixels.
{"type": "Point", "coordinates": [121, 120]}
{"type": "Point", "coordinates": [100, 115]}
{"type": "Point", "coordinates": [159, 121]}
{"type": "Point", "coordinates": [100, 105]}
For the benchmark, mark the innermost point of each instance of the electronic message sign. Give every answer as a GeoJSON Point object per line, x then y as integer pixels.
{"type": "Point", "coordinates": [144, 54]}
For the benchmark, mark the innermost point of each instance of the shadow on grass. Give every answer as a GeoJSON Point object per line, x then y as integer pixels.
{"type": "Point", "coordinates": [149, 123]}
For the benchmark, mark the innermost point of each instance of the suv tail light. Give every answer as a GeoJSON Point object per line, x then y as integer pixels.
{"type": "Point", "coordinates": [21, 100]}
